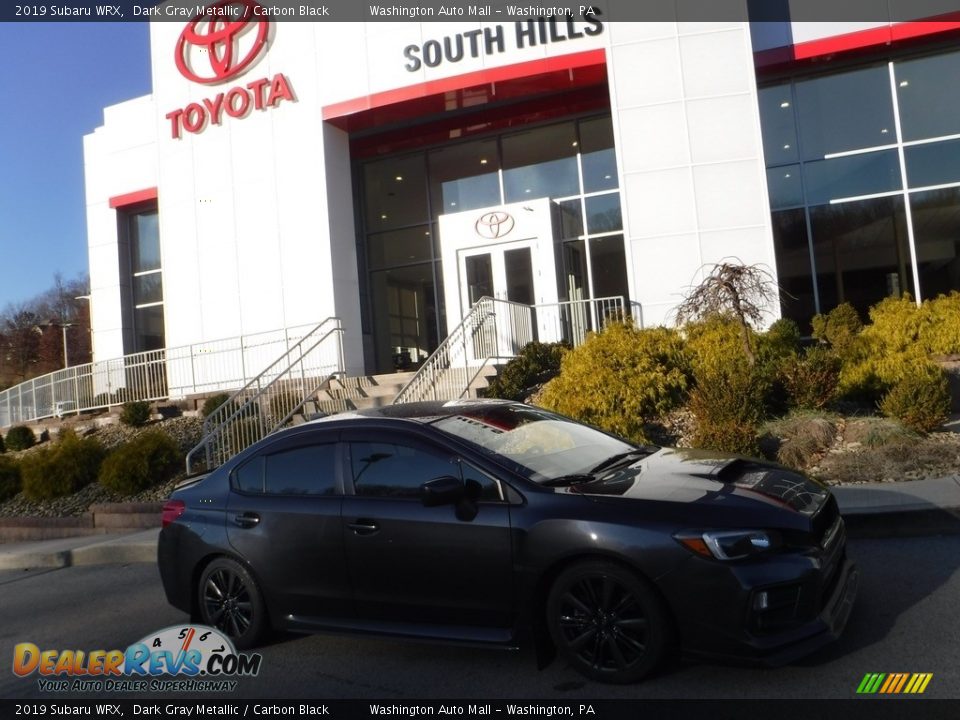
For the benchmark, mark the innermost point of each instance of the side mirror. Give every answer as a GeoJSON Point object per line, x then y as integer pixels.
{"type": "Point", "coordinates": [444, 490]}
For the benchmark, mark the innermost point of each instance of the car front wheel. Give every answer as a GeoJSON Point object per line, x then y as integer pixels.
{"type": "Point", "coordinates": [607, 622]}
{"type": "Point", "coordinates": [228, 599]}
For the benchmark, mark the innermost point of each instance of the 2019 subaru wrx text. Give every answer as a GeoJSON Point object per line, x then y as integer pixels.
{"type": "Point", "coordinates": [478, 521]}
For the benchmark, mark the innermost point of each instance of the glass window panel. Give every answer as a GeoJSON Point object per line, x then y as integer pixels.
{"type": "Point", "coordinates": [306, 470]}
{"type": "Point", "coordinates": [608, 265]}
{"type": "Point", "coordinates": [852, 176]}
{"type": "Point", "coordinates": [145, 241]}
{"type": "Point", "coordinates": [249, 476]}
{"type": "Point", "coordinates": [147, 288]}
{"type": "Point", "coordinates": [936, 231]}
{"type": "Point", "coordinates": [570, 219]}
{"type": "Point", "coordinates": [846, 111]}
{"type": "Point", "coordinates": [933, 164]}
{"type": "Point", "coordinates": [778, 125]}
{"type": "Point", "coordinates": [603, 213]}
{"type": "Point", "coordinates": [403, 308]}
{"type": "Point", "coordinates": [390, 470]}
{"type": "Point", "coordinates": [464, 177]}
{"type": "Point", "coordinates": [598, 157]}
{"type": "Point", "coordinates": [489, 490]}
{"type": "Point", "coordinates": [518, 267]}
{"type": "Point", "coordinates": [793, 267]}
{"type": "Point", "coordinates": [395, 190]}
{"type": "Point", "coordinates": [540, 163]}
{"type": "Point", "coordinates": [784, 186]}
{"type": "Point", "coordinates": [928, 97]}
{"type": "Point", "coordinates": [148, 325]}
{"type": "Point", "coordinates": [479, 271]}
{"type": "Point", "coordinates": [861, 252]}
{"type": "Point", "coordinates": [575, 271]}
{"type": "Point", "coordinates": [399, 247]}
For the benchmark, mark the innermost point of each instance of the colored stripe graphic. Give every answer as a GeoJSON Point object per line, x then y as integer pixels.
{"type": "Point", "coordinates": [894, 683]}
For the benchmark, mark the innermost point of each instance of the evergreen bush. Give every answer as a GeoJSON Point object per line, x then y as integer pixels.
{"type": "Point", "coordinates": [149, 459]}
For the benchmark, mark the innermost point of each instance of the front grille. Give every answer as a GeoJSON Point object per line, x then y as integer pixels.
{"type": "Point", "coordinates": [825, 519]}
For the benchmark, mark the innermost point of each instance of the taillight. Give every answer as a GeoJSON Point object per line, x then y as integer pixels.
{"type": "Point", "coordinates": [172, 509]}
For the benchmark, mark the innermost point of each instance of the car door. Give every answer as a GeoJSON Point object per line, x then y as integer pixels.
{"type": "Point", "coordinates": [414, 564]}
{"type": "Point", "coordinates": [283, 517]}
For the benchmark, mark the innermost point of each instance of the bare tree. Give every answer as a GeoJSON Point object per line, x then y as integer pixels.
{"type": "Point", "coordinates": [732, 289]}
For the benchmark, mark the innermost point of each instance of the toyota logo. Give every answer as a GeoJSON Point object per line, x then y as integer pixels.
{"type": "Point", "coordinates": [221, 30]}
{"type": "Point", "coordinates": [493, 225]}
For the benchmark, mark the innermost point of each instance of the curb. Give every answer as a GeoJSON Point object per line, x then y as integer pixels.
{"type": "Point", "coordinates": [118, 549]}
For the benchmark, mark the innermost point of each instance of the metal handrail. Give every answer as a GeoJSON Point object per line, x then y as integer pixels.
{"type": "Point", "coordinates": [167, 373]}
{"type": "Point", "coordinates": [441, 378]}
{"type": "Point", "coordinates": [236, 425]}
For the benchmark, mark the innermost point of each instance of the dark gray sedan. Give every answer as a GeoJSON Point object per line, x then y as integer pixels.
{"type": "Point", "coordinates": [489, 523]}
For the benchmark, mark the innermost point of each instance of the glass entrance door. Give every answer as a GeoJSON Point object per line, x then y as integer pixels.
{"type": "Point", "coordinates": [503, 272]}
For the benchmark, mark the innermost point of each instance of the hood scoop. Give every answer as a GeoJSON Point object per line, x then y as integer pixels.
{"type": "Point", "coordinates": [785, 486]}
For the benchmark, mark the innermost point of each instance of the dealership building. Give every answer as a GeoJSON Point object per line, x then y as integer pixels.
{"type": "Point", "coordinates": [391, 173]}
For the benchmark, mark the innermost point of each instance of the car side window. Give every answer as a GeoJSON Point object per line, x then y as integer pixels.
{"type": "Point", "coordinates": [308, 470]}
{"type": "Point", "coordinates": [382, 469]}
{"type": "Point", "coordinates": [305, 470]}
{"type": "Point", "coordinates": [490, 490]}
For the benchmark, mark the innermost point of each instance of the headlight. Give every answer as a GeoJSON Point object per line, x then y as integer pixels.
{"type": "Point", "coordinates": [729, 544]}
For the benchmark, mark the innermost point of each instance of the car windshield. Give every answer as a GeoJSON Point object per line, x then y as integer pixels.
{"type": "Point", "coordinates": [540, 445]}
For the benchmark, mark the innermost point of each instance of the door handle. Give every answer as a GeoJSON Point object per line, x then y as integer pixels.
{"type": "Point", "coordinates": [364, 527]}
{"type": "Point", "coordinates": [246, 520]}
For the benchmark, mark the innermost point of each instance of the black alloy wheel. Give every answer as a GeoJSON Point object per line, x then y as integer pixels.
{"type": "Point", "coordinates": [607, 622]}
{"type": "Point", "coordinates": [230, 601]}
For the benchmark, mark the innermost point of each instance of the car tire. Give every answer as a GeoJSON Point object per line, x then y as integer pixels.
{"type": "Point", "coordinates": [229, 600]}
{"type": "Point", "coordinates": [607, 622]}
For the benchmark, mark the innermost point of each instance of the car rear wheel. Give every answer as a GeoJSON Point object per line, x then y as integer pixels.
{"type": "Point", "coordinates": [228, 599]}
{"type": "Point", "coordinates": [607, 622]}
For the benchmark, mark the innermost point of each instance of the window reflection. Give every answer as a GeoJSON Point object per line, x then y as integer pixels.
{"type": "Point", "coordinates": [540, 163]}
{"type": "Point", "coordinates": [779, 127]}
{"type": "Point", "coordinates": [395, 191]}
{"type": "Point", "coordinates": [933, 163]}
{"type": "Point", "coordinates": [846, 111]}
{"type": "Point", "coordinates": [852, 176]}
{"type": "Point", "coordinates": [464, 177]}
{"type": "Point", "coordinates": [861, 252]}
{"type": "Point", "coordinates": [936, 231]}
{"type": "Point", "coordinates": [793, 266]}
{"type": "Point", "coordinates": [927, 108]}
{"type": "Point", "coordinates": [598, 157]}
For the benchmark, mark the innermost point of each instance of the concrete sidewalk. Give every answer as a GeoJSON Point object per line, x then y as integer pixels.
{"type": "Point", "coordinates": [921, 507]}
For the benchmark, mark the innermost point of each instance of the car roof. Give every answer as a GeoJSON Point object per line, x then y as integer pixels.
{"type": "Point", "coordinates": [418, 411]}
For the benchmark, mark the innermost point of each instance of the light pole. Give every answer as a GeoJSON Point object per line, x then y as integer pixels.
{"type": "Point", "coordinates": [66, 359]}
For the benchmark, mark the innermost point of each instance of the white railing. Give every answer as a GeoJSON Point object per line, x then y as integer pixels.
{"type": "Point", "coordinates": [495, 331]}
{"type": "Point", "coordinates": [170, 373]}
{"type": "Point", "coordinates": [271, 399]}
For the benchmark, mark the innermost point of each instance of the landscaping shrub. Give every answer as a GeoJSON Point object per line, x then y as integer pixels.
{"type": "Point", "coordinates": [135, 413]}
{"type": "Point", "coordinates": [20, 437]}
{"type": "Point", "coordinates": [68, 466]}
{"type": "Point", "coordinates": [941, 330]}
{"type": "Point", "coordinates": [149, 459]}
{"type": "Point", "coordinates": [839, 328]}
{"type": "Point", "coordinates": [921, 400]}
{"type": "Point", "coordinates": [782, 338]}
{"type": "Point", "coordinates": [10, 482]}
{"type": "Point", "coordinates": [712, 345]}
{"type": "Point", "coordinates": [811, 381]}
{"type": "Point", "coordinates": [536, 364]}
{"type": "Point", "coordinates": [3, 447]}
{"type": "Point", "coordinates": [729, 404]}
{"type": "Point", "coordinates": [621, 378]}
{"type": "Point", "coordinates": [213, 402]}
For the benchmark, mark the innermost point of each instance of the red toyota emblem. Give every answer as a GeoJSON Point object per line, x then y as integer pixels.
{"type": "Point", "coordinates": [219, 31]}
{"type": "Point", "coordinates": [493, 225]}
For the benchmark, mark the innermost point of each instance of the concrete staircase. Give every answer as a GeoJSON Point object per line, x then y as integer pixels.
{"type": "Point", "coordinates": [369, 391]}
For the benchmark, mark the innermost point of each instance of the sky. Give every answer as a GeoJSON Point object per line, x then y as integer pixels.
{"type": "Point", "coordinates": [57, 79]}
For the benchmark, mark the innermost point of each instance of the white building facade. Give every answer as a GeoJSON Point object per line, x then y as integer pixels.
{"type": "Point", "coordinates": [391, 173]}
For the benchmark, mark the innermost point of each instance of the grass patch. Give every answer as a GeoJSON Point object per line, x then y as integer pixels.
{"type": "Point", "coordinates": [803, 437]}
{"type": "Point", "coordinates": [878, 432]}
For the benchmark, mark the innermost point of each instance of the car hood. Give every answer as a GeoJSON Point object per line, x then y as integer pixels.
{"type": "Point", "coordinates": [709, 478]}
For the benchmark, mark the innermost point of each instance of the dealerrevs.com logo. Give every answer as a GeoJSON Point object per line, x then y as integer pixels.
{"type": "Point", "coordinates": [199, 659]}
{"type": "Point", "coordinates": [222, 42]}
